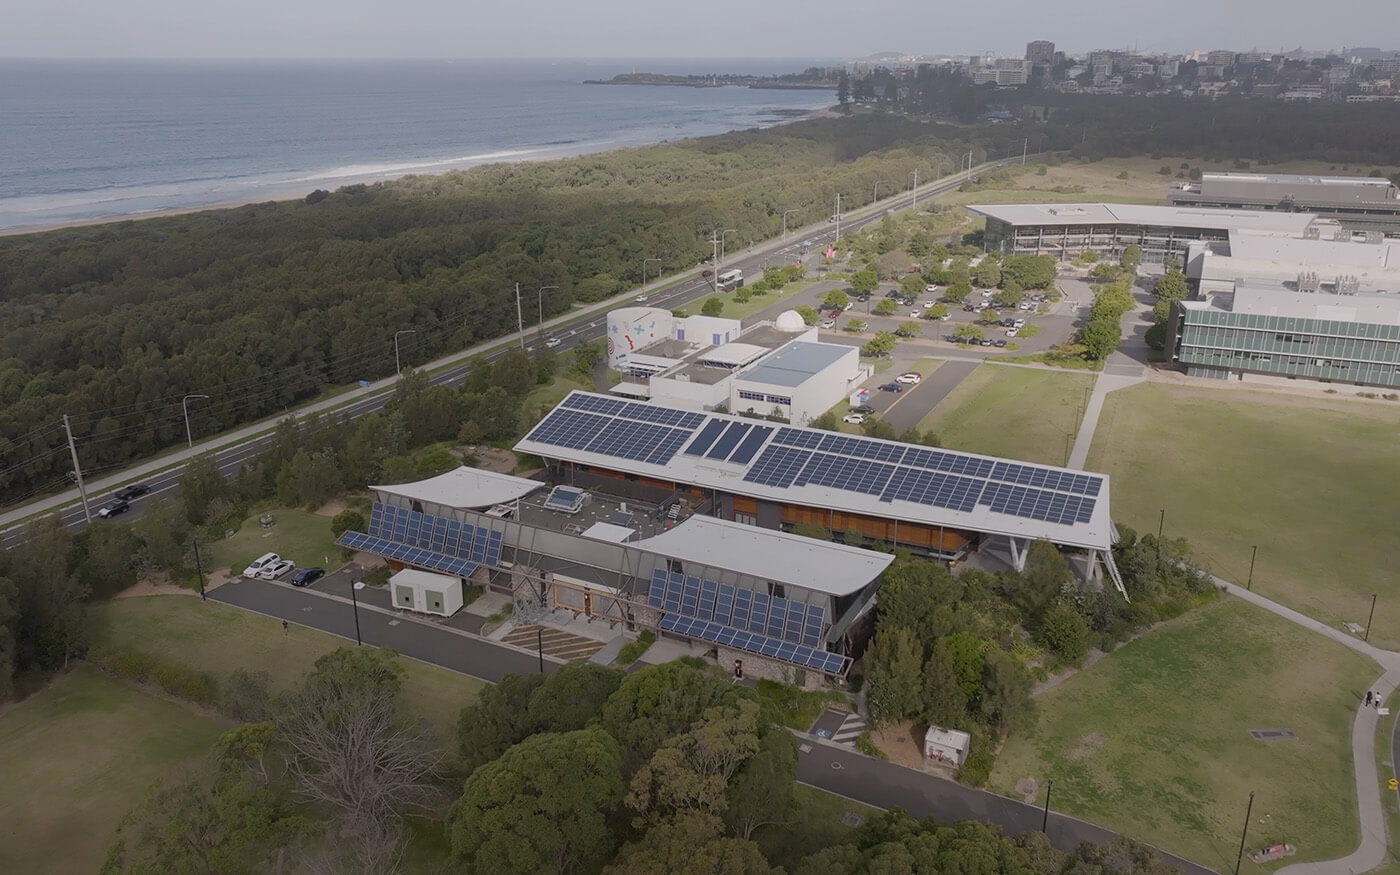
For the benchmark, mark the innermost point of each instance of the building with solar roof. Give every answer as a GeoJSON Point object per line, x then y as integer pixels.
{"type": "Point", "coordinates": [775, 600]}
{"type": "Point", "coordinates": [938, 503]}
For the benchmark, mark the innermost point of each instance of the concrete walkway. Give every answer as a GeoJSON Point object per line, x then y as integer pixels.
{"type": "Point", "coordinates": [1085, 437]}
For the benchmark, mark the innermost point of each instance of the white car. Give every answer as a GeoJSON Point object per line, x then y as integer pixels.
{"type": "Point", "coordinates": [553, 342]}
{"type": "Point", "coordinates": [257, 565]}
{"type": "Point", "coordinates": [909, 379]}
{"type": "Point", "coordinates": [274, 570]}
{"type": "Point", "coordinates": [930, 288]}
{"type": "Point", "coordinates": [849, 305]}
{"type": "Point", "coordinates": [854, 418]}
{"type": "Point", "coordinates": [827, 323]}
{"type": "Point", "coordinates": [1024, 305]}
{"type": "Point", "coordinates": [1012, 332]}
{"type": "Point", "coordinates": [641, 299]}
{"type": "Point", "coordinates": [928, 305]}
{"type": "Point", "coordinates": [1020, 322]}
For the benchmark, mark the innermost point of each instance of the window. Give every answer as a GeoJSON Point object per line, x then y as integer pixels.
{"type": "Point", "coordinates": [746, 519]}
{"type": "Point", "coordinates": [778, 399]}
{"type": "Point", "coordinates": [751, 396]}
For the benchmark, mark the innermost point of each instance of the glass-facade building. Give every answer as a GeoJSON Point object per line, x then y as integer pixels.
{"type": "Point", "coordinates": [1219, 344]}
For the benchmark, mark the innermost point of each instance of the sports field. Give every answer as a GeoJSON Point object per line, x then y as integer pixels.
{"type": "Point", "coordinates": [76, 757]}
{"type": "Point", "coordinates": [212, 637]}
{"type": "Point", "coordinates": [1154, 740]}
{"type": "Point", "coordinates": [1312, 480]}
{"type": "Point", "coordinates": [1015, 412]}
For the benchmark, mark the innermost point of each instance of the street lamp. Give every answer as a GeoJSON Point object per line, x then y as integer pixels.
{"type": "Point", "coordinates": [185, 406]}
{"type": "Point", "coordinates": [1240, 857]}
{"type": "Point", "coordinates": [876, 197]}
{"type": "Point", "coordinates": [355, 606]}
{"type": "Point", "coordinates": [838, 219]}
{"type": "Point", "coordinates": [1045, 818]}
{"type": "Point", "coordinates": [397, 368]}
{"type": "Point", "coordinates": [785, 215]}
{"type": "Point", "coordinates": [914, 202]}
{"type": "Point", "coordinates": [1367, 637]}
{"type": "Point", "coordinates": [1249, 584]}
{"type": "Point", "coordinates": [543, 289]}
{"type": "Point", "coordinates": [644, 270]}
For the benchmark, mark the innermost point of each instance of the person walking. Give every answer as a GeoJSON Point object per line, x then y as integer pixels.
{"type": "Point", "coordinates": [1368, 698]}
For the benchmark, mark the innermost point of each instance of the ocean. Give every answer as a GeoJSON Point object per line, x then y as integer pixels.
{"type": "Point", "coordinates": [89, 140]}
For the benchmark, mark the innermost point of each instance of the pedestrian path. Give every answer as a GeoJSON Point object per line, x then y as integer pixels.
{"type": "Point", "coordinates": [554, 642]}
{"type": "Point", "coordinates": [1105, 383]}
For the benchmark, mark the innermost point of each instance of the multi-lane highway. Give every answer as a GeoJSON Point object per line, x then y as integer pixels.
{"type": "Point", "coordinates": [231, 451]}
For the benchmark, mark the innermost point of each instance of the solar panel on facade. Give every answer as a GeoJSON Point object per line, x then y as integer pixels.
{"type": "Point", "coordinates": [656, 596]}
{"type": "Point", "coordinates": [406, 553]}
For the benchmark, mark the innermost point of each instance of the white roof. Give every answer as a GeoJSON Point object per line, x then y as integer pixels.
{"type": "Point", "coordinates": [1274, 301]}
{"type": "Point", "coordinates": [465, 488]}
{"type": "Point", "coordinates": [734, 354]}
{"type": "Point", "coordinates": [822, 566]}
{"type": "Point", "coordinates": [950, 738]}
{"type": "Point", "coordinates": [719, 473]}
{"type": "Point", "coordinates": [1317, 256]}
{"type": "Point", "coordinates": [1143, 214]}
{"type": "Point", "coordinates": [415, 578]}
{"type": "Point", "coordinates": [608, 532]}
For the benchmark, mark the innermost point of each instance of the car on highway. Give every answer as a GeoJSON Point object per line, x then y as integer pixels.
{"type": "Point", "coordinates": [854, 418]}
{"type": "Point", "coordinates": [553, 342]}
{"type": "Point", "coordinates": [891, 387]}
{"type": "Point", "coordinates": [910, 379]}
{"type": "Point", "coordinates": [307, 576]}
{"type": "Point", "coordinates": [862, 408]}
{"type": "Point", "coordinates": [135, 490]}
{"type": "Point", "coordinates": [274, 570]}
{"type": "Point", "coordinates": [113, 509]}
{"type": "Point", "coordinates": [707, 273]}
{"type": "Point", "coordinates": [827, 323]}
{"type": "Point", "coordinates": [258, 564]}
{"type": "Point", "coordinates": [641, 299]}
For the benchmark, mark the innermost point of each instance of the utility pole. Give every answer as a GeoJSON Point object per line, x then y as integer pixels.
{"type": "Point", "coordinates": [397, 368]}
{"type": "Point", "coordinates": [1024, 143]}
{"type": "Point", "coordinates": [1045, 818]}
{"type": "Point", "coordinates": [714, 274]}
{"type": "Point", "coordinates": [77, 469]}
{"type": "Point", "coordinates": [914, 204]}
{"type": "Point", "coordinates": [199, 567]}
{"type": "Point", "coordinates": [185, 406]}
{"type": "Point", "coordinates": [519, 317]}
{"type": "Point", "coordinates": [838, 219]}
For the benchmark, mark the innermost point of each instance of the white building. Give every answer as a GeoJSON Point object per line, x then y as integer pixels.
{"type": "Point", "coordinates": [799, 382]}
{"type": "Point", "coordinates": [426, 593]}
{"type": "Point", "coordinates": [947, 745]}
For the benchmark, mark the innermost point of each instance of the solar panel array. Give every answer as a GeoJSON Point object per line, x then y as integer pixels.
{"type": "Point", "coordinates": [446, 536]}
{"type": "Point", "coordinates": [761, 645]}
{"type": "Point", "coordinates": [785, 456]}
{"type": "Point", "coordinates": [430, 559]}
{"type": "Point", "coordinates": [612, 427]}
{"type": "Point", "coordinates": [738, 608]}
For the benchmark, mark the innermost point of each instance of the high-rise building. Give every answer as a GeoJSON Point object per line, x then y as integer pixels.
{"type": "Point", "coordinates": [1040, 53]}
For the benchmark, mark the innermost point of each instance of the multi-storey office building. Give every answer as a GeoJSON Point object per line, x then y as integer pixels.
{"type": "Point", "coordinates": [1358, 203]}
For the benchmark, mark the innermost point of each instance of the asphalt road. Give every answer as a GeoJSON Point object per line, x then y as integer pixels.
{"type": "Point", "coordinates": [454, 368]}
{"type": "Point", "coordinates": [915, 402]}
{"type": "Point", "coordinates": [829, 767]}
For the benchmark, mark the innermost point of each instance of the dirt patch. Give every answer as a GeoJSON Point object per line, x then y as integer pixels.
{"type": "Point", "coordinates": [490, 458]}
{"type": "Point", "coordinates": [1027, 789]}
{"type": "Point", "coordinates": [901, 743]}
{"type": "Point", "coordinates": [154, 585]}
{"type": "Point", "coordinates": [1087, 747]}
{"type": "Point", "coordinates": [330, 508]}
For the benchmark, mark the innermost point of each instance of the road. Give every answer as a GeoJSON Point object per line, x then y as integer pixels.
{"type": "Point", "coordinates": [232, 450]}
{"type": "Point", "coordinates": [832, 768]}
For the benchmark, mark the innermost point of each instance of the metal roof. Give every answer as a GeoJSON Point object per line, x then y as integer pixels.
{"type": "Point", "coordinates": [658, 432]}
{"type": "Point", "coordinates": [1143, 214]}
{"type": "Point", "coordinates": [796, 363]}
{"type": "Point", "coordinates": [822, 566]}
{"type": "Point", "coordinates": [465, 488]}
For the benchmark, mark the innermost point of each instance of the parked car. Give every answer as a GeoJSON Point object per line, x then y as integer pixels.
{"type": "Point", "coordinates": [862, 408]}
{"type": "Point", "coordinates": [1012, 332]}
{"type": "Point", "coordinates": [135, 490]}
{"type": "Point", "coordinates": [999, 343]}
{"type": "Point", "coordinates": [928, 305]}
{"type": "Point", "coordinates": [970, 308]}
{"type": "Point", "coordinates": [891, 387]}
{"type": "Point", "coordinates": [892, 293]}
{"type": "Point", "coordinates": [930, 288]}
{"type": "Point", "coordinates": [707, 273]}
{"type": "Point", "coordinates": [307, 576]}
{"type": "Point", "coordinates": [1024, 305]}
{"type": "Point", "coordinates": [1017, 323]}
{"type": "Point", "coordinates": [854, 418]}
{"type": "Point", "coordinates": [849, 305]}
{"type": "Point", "coordinates": [113, 509]}
{"type": "Point", "coordinates": [553, 342]}
{"type": "Point", "coordinates": [986, 341]}
{"type": "Point", "coordinates": [910, 378]}
{"type": "Point", "coordinates": [827, 323]}
{"type": "Point", "coordinates": [257, 565]}
{"type": "Point", "coordinates": [274, 570]}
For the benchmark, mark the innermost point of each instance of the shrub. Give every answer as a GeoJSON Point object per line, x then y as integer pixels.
{"type": "Point", "coordinates": [981, 757]}
{"type": "Point", "coordinates": [633, 650]}
{"type": "Point", "coordinates": [867, 747]}
{"type": "Point", "coordinates": [134, 665]}
{"type": "Point", "coordinates": [246, 696]}
{"type": "Point", "coordinates": [347, 521]}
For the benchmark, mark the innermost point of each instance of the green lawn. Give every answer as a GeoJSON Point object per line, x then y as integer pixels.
{"type": "Point", "coordinates": [305, 538]}
{"type": "Point", "coordinates": [1152, 741]}
{"type": "Point", "coordinates": [734, 310]}
{"type": "Point", "coordinates": [1018, 413]}
{"type": "Point", "coordinates": [213, 637]}
{"type": "Point", "coordinates": [1309, 479]}
{"type": "Point", "coordinates": [76, 757]}
{"type": "Point", "coordinates": [817, 822]}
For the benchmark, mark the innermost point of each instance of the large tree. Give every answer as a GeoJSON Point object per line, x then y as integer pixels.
{"type": "Point", "coordinates": [661, 701]}
{"type": "Point", "coordinates": [690, 773]}
{"type": "Point", "coordinates": [496, 720]}
{"type": "Point", "coordinates": [895, 665]}
{"type": "Point", "coordinates": [542, 806]}
{"type": "Point", "coordinates": [761, 792]}
{"type": "Point", "coordinates": [690, 845]}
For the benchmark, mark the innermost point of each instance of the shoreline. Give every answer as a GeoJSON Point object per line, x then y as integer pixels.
{"type": "Point", "coordinates": [367, 179]}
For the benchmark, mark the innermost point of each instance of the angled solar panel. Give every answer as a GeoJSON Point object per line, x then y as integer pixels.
{"type": "Point", "coordinates": [795, 437]}
{"type": "Point", "coordinates": [777, 466]}
{"type": "Point", "coordinates": [428, 559]}
{"type": "Point", "coordinates": [705, 438]}
{"type": "Point", "coordinates": [656, 595]}
{"type": "Point", "coordinates": [750, 445]}
{"type": "Point", "coordinates": [728, 441]}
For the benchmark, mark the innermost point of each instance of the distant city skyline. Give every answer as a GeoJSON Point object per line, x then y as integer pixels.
{"type": "Point", "coordinates": [623, 29]}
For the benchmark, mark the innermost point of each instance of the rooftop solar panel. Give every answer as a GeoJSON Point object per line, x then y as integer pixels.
{"type": "Point", "coordinates": [705, 438]}
{"type": "Point", "coordinates": [428, 559]}
{"type": "Point", "coordinates": [777, 466]}
{"type": "Point", "coordinates": [728, 441]}
{"type": "Point", "coordinates": [794, 437]}
{"type": "Point", "coordinates": [750, 445]}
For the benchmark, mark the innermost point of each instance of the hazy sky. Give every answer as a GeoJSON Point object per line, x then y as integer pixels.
{"type": "Point", "coordinates": [671, 28]}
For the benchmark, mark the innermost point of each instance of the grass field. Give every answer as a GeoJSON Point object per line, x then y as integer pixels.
{"type": "Point", "coordinates": [76, 757]}
{"type": "Point", "coordinates": [216, 638]}
{"type": "Point", "coordinates": [817, 823]}
{"type": "Point", "coordinates": [735, 310]}
{"type": "Point", "coordinates": [1152, 740]}
{"type": "Point", "coordinates": [305, 538]}
{"type": "Point", "coordinates": [1019, 413]}
{"type": "Point", "coordinates": [1310, 479]}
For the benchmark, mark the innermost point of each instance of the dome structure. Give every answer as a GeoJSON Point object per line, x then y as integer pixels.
{"type": "Point", "coordinates": [790, 321]}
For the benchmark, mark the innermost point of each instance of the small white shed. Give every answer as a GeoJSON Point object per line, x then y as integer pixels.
{"type": "Point", "coordinates": [946, 745]}
{"type": "Point", "coordinates": [426, 593]}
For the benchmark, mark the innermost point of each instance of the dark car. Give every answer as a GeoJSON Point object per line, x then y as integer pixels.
{"type": "Point", "coordinates": [891, 387]}
{"type": "Point", "coordinates": [970, 308]}
{"type": "Point", "coordinates": [999, 343]}
{"type": "Point", "coordinates": [707, 273]}
{"type": "Point", "coordinates": [863, 297]}
{"type": "Point", "coordinates": [862, 408]}
{"type": "Point", "coordinates": [307, 576]}
{"type": "Point", "coordinates": [135, 490]}
{"type": "Point", "coordinates": [113, 509]}
{"type": "Point", "coordinates": [892, 293]}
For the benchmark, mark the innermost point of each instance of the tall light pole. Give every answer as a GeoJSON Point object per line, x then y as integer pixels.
{"type": "Point", "coordinates": [1370, 618]}
{"type": "Point", "coordinates": [185, 406]}
{"type": "Point", "coordinates": [1045, 818]}
{"type": "Point", "coordinates": [785, 215]}
{"type": "Point", "coordinates": [543, 289]}
{"type": "Point", "coordinates": [838, 219]}
{"type": "Point", "coordinates": [968, 156]}
{"type": "Point", "coordinates": [876, 198]}
{"type": "Point", "coordinates": [1247, 812]}
{"type": "Point", "coordinates": [1249, 584]}
{"type": "Point", "coordinates": [519, 320]}
{"type": "Point", "coordinates": [644, 270]}
{"type": "Point", "coordinates": [914, 203]}
{"type": "Point", "coordinates": [77, 469]}
{"type": "Point", "coordinates": [397, 368]}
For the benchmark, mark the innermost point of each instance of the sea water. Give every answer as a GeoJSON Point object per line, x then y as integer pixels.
{"type": "Point", "coordinates": [87, 140]}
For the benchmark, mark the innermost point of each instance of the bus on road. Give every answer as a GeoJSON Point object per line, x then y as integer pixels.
{"type": "Point", "coordinates": [730, 280]}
